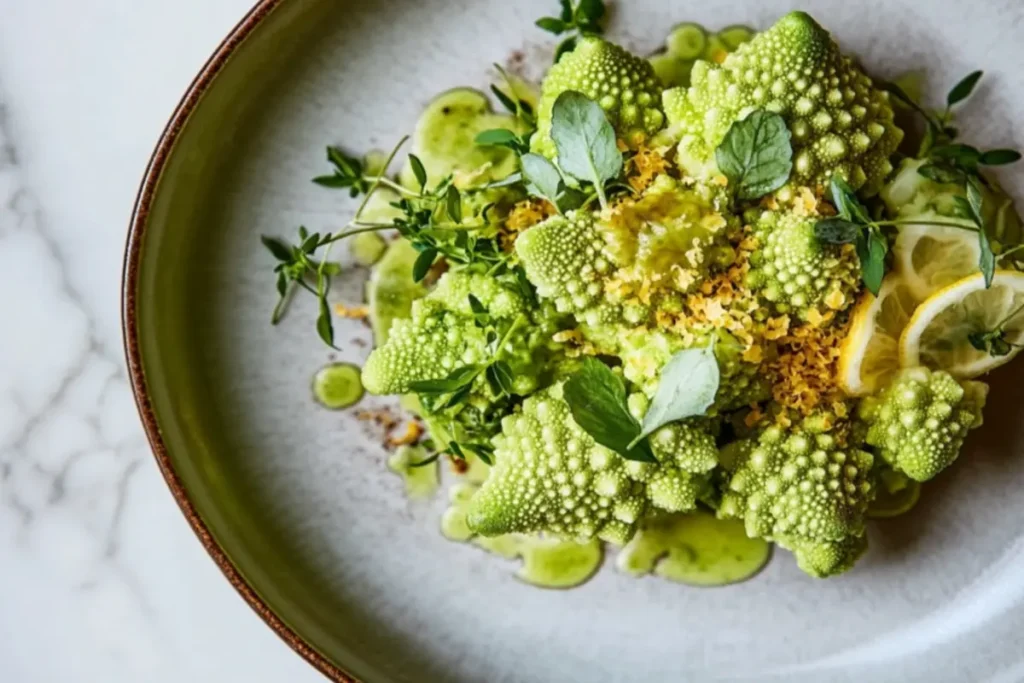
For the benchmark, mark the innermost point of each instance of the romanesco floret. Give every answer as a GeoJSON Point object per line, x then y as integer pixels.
{"type": "Point", "coordinates": [801, 489]}
{"type": "Point", "coordinates": [623, 84]}
{"type": "Point", "coordinates": [920, 421]}
{"type": "Point", "coordinates": [840, 122]}
{"type": "Point", "coordinates": [564, 259]}
{"type": "Point", "coordinates": [829, 558]}
{"type": "Point", "coordinates": [550, 475]}
{"type": "Point", "coordinates": [441, 336]}
{"type": "Point", "coordinates": [796, 271]}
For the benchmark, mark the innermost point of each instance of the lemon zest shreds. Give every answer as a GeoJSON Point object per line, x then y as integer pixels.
{"type": "Point", "coordinates": [524, 216]}
{"type": "Point", "coordinates": [352, 312]}
{"type": "Point", "coordinates": [805, 373]}
{"type": "Point", "coordinates": [646, 165]}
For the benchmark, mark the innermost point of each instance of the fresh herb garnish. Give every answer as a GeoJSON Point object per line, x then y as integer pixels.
{"type": "Point", "coordinates": [686, 387]}
{"type": "Point", "coordinates": [597, 399]}
{"type": "Point", "coordinates": [431, 219]}
{"type": "Point", "coordinates": [585, 140]}
{"type": "Point", "coordinates": [756, 155]}
{"type": "Point", "coordinates": [577, 19]}
{"type": "Point", "coordinates": [523, 111]}
{"type": "Point", "coordinates": [994, 341]}
{"type": "Point", "coordinates": [854, 225]}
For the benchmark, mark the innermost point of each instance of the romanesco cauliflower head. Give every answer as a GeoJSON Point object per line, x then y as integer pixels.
{"type": "Point", "coordinates": [550, 475]}
{"type": "Point", "coordinates": [799, 487]}
{"type": "Point", "coordinates": [441, 336]}
{"type": "Point", "coordinates": [623, 84]}
{"type": "Point", "coordinates": [797, 272]}
{"type": "Point", "coordinates": [920, 421]}
{"type": "Point", "coordinates": [840, 122]}
{"type": "Point", "coordinates": [687, 445]}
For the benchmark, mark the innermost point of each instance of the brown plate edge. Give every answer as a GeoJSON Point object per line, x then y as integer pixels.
{"type": "Point", "coordinates": [129, 282]}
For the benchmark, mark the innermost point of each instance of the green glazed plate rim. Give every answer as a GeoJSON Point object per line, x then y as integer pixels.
{"type": "Point", "coordinates": [200, 85]}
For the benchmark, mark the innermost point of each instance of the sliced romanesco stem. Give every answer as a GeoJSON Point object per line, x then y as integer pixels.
{"type": "Point", "coordinates": [920, 421]}
{"type": "Point", "coordinates": [797, 272]}
{"type": "Point", "coordinates": [623, 84]}
{"type": "Point", "coordinates": [829, 558]}
{"type": "Point", "coordinates": [800, 488]}
{"type": "Point", "coordinates": [841, 123]}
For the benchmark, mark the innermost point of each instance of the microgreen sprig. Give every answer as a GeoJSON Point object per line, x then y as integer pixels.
{"type": "Point", "coordinates": [854, 225]}
{"type": "Point", "coordinates": [576, 19]}
{"type": "Point", "coordinates": [994, 341]}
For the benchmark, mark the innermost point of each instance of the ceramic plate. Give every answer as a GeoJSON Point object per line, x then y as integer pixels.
{"type": "Point", "coordinates": [296, 503]}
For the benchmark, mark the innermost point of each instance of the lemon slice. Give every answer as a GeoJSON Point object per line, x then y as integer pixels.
{"type": "Point", "coordinates": [871, 351]}
{"type": "Point", "coordinates": [937, 334]}
{"type": "Point", "coordinates": [928, 258]}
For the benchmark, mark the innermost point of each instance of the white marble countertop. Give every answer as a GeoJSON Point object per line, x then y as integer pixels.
{"type": "Point", "coordinates": [101, 580]}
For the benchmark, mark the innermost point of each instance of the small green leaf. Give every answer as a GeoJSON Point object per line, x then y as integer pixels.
{"type": "Point", "coordinates": [847, 204]}
{"type": "Point", "coordinates": [999, 157]}
{"type": "Point", "coordinates": [979, 340]}
{"type": "Point", "coordinates": [496, 137]}
{"type": "Point", "coordinates": [756, 154]}
{"type": "Point", "coordinates": [592, 11]}
{"type": "Point", "coordinates": [418, 171]}
{"type": "Point", "coordinates": [837, 231]}
{"type": "Point", "coordinates": [872, 250]}
{"type": "Point", "coordinates": [423, 263]}
{"type": "Point", "coordinates": [456, 397]}
{"type": "Point", "coordinates": [542, 175]}
{"type": "Point", "coordinates": [476, 306]}
{"type": "Point", "coordinates": [310, 244]}
{"type": "Point", "coordinates": [324, 324]}
{"type": "Point", "coordinates": [453, 203]}
{"type": "Point", "coordinates": [428, 461]}
{"type": "Point", "coordinates": [499, 376]}
{"type": "Point", "coordinates": [585, 140]}
{"type": "Point", "coordinates": [282, 284]}
{"type": "Point", "coordinates": [505, 100]}
{"type": "Point", "coordinates": [456, 379]}
{"type": "Point", "coordinates": [597, 399]}
{"type": "Point", "coordinates": [977, 202]}
{"type": "Point", "coordinates": [552, 25]}
{"type": "Point", "coordinates": [965, 156]}
{"type": "Point", "coordinates": [566, 13]}
{"type": "Point", "coordinates": [942, 174]}
{"type": "Point", "coordinates": [962, 90]}
{"type": "Point", "coordinates": [333, 181]}
{"type": "Point", "coordinates": [567, 45]}
{"type": "Point", "coordinates": [281, 251]}
{"type": "Point", "coordinates": [687, 387]}
{"type": "Point", "coordinates": [986, 260]}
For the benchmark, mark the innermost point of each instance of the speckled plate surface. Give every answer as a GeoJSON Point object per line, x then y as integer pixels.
{"type": "Point", "coordinates": [296, 502]}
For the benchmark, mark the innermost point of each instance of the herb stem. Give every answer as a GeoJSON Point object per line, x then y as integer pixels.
{"type": "Point", "coordinates": [391, 184]}
{"type": "Point", "coordinates": [1006, 253]}
{"type": "Point", "coordinates": [508, 335]}
{"type": "Point", "coordinates": [359, 228]}
{"type": "Point", "coordinates": [377, 180]}
{"type": "Point", "coordinates": [937, 224]}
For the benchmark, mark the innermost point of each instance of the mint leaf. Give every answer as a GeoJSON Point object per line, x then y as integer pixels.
{"type": "Point", "coordinates": [597, 399]}
{"type": "Point", "coordinates": [543, 178]}
{"type": "Point", "coordinates": [687, 387]}
{"type": "Point", "coordinates": [756, 154]}
{"type": "Point", "coordinates": [585, 141]}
